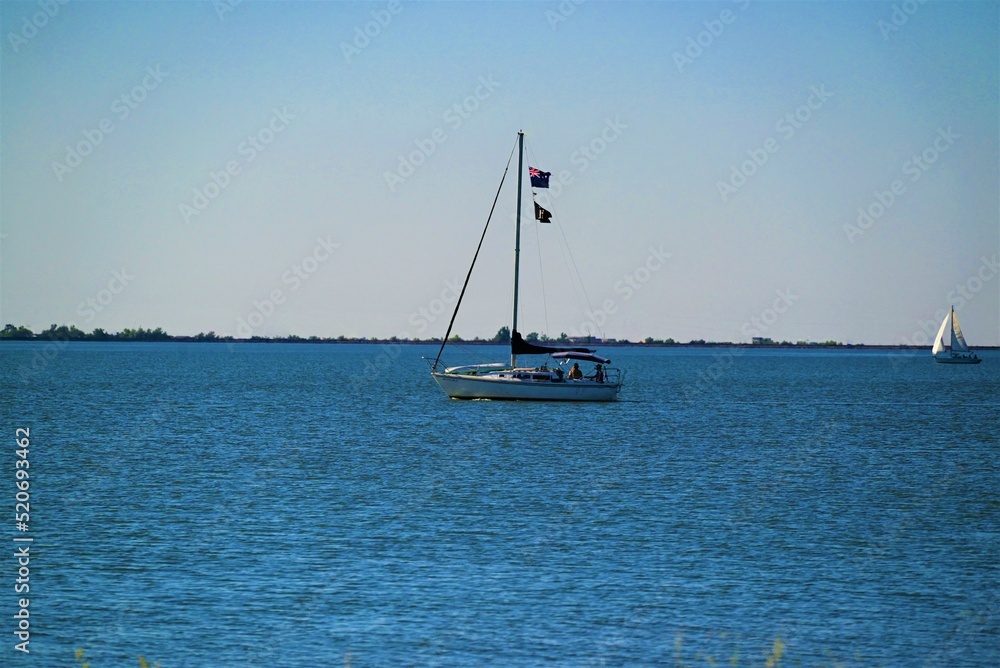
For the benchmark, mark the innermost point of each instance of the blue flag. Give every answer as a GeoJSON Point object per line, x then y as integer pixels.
{"type": "Point", "coordinates": [539, 179]}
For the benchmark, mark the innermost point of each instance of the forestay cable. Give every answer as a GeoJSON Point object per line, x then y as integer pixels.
{"type": "Point", "coordinates": [474, 257]}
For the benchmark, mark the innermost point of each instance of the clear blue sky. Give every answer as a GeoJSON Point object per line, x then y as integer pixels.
{"type": "Point", "coordinates": [843, 105]}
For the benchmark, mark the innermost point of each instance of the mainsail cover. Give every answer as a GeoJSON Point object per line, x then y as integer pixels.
{"type": "Point", "coordinates": [958, 343]}
{"type": "Point", "coordinates": [518, 346]}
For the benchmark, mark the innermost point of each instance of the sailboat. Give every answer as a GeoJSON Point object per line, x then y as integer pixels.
{"type": "Point", "coordinates": [542, 382]}
{"type": "Point", "coordinates": [959, 352]}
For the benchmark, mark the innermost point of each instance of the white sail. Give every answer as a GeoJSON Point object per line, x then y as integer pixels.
{"type": "Point", "coordinates": [939, 341]}
{"type": "Point", "coordinates": [958, 344]}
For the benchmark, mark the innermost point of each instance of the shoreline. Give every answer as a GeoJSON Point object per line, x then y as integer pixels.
{"type": "Point", "coordinates": [409, 342]}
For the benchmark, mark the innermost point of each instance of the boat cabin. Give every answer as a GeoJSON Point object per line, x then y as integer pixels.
{"type": "Point", "coordinates": [534, 375]}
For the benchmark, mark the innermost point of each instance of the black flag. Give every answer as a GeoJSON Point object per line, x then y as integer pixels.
{"type": "Point", "coordinates": [541, 215]}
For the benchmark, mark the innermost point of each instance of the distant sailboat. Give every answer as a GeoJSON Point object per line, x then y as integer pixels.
{"type": "Point", "coordinates": [959, 352]}
{"type": "Point", "coordinates": [510, 381]}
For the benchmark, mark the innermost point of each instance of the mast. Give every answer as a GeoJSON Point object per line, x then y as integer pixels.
{"type": "Point", "coordinates": [952, 328]}
{"type": "Point", "coordinates": [517, 239]}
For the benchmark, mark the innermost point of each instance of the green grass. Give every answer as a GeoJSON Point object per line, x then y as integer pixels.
{"type": "Point", "coordinates": [78, 654]}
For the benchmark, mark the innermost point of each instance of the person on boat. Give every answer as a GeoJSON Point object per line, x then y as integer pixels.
{"type": "Point", "coordinates": [598, 374]}
{"type": "Point", "coordinates": [575, 373]}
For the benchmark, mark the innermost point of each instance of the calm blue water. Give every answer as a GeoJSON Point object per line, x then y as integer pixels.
{"type": "Point", "coordinates": [295, 505]}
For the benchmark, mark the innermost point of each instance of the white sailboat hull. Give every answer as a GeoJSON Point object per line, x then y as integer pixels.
{"type": "Point", "coordinates": [461, 386]}
{"type": "Point", "coordinates": [956, 358]}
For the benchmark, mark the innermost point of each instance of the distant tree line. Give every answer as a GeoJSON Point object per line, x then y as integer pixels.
{"type": "Point", "coordinates": [72, 333]}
